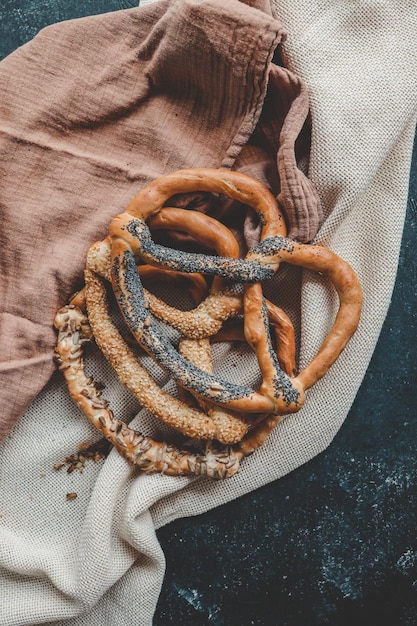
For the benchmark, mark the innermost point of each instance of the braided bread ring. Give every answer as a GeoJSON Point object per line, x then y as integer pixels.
{"type": "Point", "coordinates": [145, 453]}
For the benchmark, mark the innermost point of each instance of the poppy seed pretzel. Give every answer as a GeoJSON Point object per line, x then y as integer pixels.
{"type": "Point", "coordinates": [130, 237]}
{"type": "Point", "coordinates": [279, 393]}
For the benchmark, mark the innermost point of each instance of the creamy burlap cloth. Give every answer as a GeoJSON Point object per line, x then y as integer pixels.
{"type": "Point", "coordinates": [96, 560]}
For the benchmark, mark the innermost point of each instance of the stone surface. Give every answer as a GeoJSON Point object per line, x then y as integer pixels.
{"type": "Point", "coordinates": [21, 20]}
{"type": "Point", "coordinates": [335, 541]}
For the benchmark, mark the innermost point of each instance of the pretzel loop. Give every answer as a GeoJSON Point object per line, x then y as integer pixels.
{"type": "Point", "coordinates": [318, 259]}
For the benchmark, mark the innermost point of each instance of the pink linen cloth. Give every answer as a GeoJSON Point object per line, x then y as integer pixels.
{"type": "Point", "coordinates": [92, 110]}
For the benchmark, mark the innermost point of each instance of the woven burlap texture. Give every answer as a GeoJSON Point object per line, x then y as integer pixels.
{"type": "Point", "coordinates": [96, 559]}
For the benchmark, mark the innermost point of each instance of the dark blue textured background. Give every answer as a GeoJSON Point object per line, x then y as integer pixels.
{"type": "Point", "coordinates": [334, 542]}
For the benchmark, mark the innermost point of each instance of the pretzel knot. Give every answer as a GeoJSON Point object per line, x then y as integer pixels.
{"type": "Point", "coordinates": [230, 420]}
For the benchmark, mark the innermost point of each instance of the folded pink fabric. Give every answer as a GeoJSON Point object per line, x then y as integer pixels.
{"type": "Point", "coordinates": [91, 110]}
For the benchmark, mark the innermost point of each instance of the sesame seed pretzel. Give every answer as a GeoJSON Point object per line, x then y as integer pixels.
{"type": "Point", "coordinates": [221, 426]}
{"type": "Point", "coordinates": [280, 393]}
{"type": "Point", "coordinates": [196, 325]}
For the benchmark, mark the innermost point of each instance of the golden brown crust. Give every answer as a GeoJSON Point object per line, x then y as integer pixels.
{"type": "Point", "coordinates": [234, 185]}
{"type": "Point", "coordinates": [345, 281]}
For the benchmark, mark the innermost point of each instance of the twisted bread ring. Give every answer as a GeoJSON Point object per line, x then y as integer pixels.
{"type": "Point", "coordinates": [279, 393]}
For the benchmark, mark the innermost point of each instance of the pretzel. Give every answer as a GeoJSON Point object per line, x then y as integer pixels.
{"type": "Point", "coordinates": [281, 392]}
{"type": "Point", "coordinates": [143, 452]}
{"type": "Point", "coordinates": [228, 427]}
